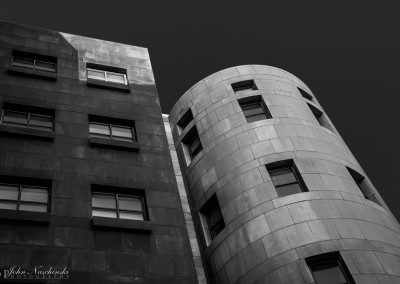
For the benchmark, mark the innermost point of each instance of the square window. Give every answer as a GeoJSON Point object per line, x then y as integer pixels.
{"type": "Point", "coordinates": [305, 94]}
{"type": "Point", "coordinates": [211, 217]}
{"type": "Point", "coordinates": [118, 203]}
{"type": "Point", "coordinates": [362, 184]}
{"type": "Point", "coordinates": [185, 120]}
{"type": "Point", "coordinates": [329, 268]}
{"type": "Point", "coordinates": [24, 197]}
{"type": "Point", "coordinates": [254, 109]}
{"type": "Point", "coordinates": [244, 85]}
{"type": "Point", "coordinates": [191, 144]}
{"type": "Point", "coordinates": [286, 178]}
{"type": "Point", "coordinates": [27, 117]}
{"type": "Point", "coordinates": [112, 128]}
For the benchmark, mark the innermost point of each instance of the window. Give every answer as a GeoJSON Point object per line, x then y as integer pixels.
{"type": "Point", "coordinates": [211, 218]}
{"type": "Point", "coordinates": [305, 94]}
{"type": "Point", "coordinates": [254, 109]}
{"type": "Point", "coordinates": [24, 197]}
{"type": "Point", "coordinates": [244, 85]}
{"type": "Point", "coordinates": [185, 120]}
{"type": "Point", "coordinates": [192, 144]}
{"type": "Point", "coordinates": [286, 178]}
{"type": "Point", "coordinates": [112, 128]}
{"type": "Point", "coordinates": [34, 61]}
{"type": "Point", "coordinates": [319, 115]}
{"type": "Point", "coordinates": [107, 76]}
{"type": "Point", "coordinates": [116, 205]}
{"type": "Point", "coordinates": [329, 268]}
{"type": "Point", "coordinates": [362, 184]}
{"type": "Point", "coordinates": [28, 117]}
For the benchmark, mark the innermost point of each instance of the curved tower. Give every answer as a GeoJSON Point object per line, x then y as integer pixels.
{"type": "Point", "coordinates": [276, 195]}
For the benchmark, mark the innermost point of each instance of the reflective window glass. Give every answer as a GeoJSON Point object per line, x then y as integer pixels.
{"type": "Point", "coordinates": [45, 66]}
{"type": "Point", "coordinates": [99, 129]}
{"type": "Point", "coordinates": [115, 77]}
{"type": "Point", "coordinates": [104, 201]}
{"type": "Point", "coordinates": [131, 215]}
{"type": "Point", "coordinates": [41, 121]}
{"type": "Point", "coordinates": [122, 132]}
{"type": "Point", "coordinates": [15, 118]}
{"type": "Point", "coordinates": [96, 74]}
{"type": "Point", "coordinates": [33, 194]}
{"type": "Point", "coordinates": [36, 207]}
{"type": "Point", "coordinates": [130, 203]}
{"type": "Point", "coordinates": [23, 62]}
{"type": "Point", "coordinates": [104, 213]}
{"type": "Point", "coordinates": [9, 192]}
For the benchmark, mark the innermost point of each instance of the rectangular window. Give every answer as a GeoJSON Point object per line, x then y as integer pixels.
{"type": "Point", "coordinates": [286, 178]}
{"type": "Point", "coordinates": [24, 197]}
{"type": "Point", "coordinates": [112, 128]}
{"type": "Point", "coordinates": [185, 120]}
{"type": "Point", "coordinates": [362, 184]}
{"type": "Point", "coordinates": [329, 268]}
{"type": "Point", "coordinates": [107, 76]}
{"type": "Point", "coordinates": [212, 219]}
{"type": "Point", "coordinates": [254, 109]}
{"type": "Point", "coordinates": [244, 85]}
{"type": "Point", "coordinates": [116, 205]}
{"type": "Point", "coordinates": [28, 117]}
{"type": "Point", "coordinates": [319, 115]}
{"type": "Point", "coordinates": [34, 61]}
{"type": "Point", "coordinates": [192, 144]}
{"type": "Point", "coordinates": [305, 94]}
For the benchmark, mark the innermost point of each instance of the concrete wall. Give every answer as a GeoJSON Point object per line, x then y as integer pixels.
{"type": "Point", "coordinates": [94, 255]}
{"type": "Point", "coordinates": [266, 238]}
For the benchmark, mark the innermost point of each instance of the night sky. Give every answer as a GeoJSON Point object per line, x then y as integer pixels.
{"type": "Point", "coordinates": [347, 52]}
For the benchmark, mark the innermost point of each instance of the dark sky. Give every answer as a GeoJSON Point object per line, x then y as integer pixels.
{"type": "Point", "coordinates": [347, 52]}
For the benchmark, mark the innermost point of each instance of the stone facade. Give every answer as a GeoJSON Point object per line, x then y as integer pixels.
{"type": "Point", "coordinates": [266, 239]}
{"type": "Point", "coordinates": [152, 251]}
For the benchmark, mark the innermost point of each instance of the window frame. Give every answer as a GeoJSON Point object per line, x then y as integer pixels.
{"type": "Point", "coordinates": [187, 140]}
{"type": "Point", "coordinates": [252, 101]}
{"type": "Point", "coordinates": [283, 165]}
{"type": "Point", "coordinates": [205, 211]}
{"type": "Point", "coordinates": [185, 120]}
{"type": "Point", "coordinates": [106, 77]}
{"type": "Point", "coordinates": [20, 187]}
{"type": "Point", "coordinates": [117, 209]}
{"type": "Point", "coordinates": [330, 258]}
{"type": "Point", "coordinates": [111, 136]}
{"type": "Point", "coordinates": [35, 58]}
{"type": "Point", "coordinates": [244, 85]}
{"type": "Point", "coordinates": [27, 125]}
{"type": "Point", "coordinates": [365, 189]}
{"type": "Point", "coordinates": [305, 94]}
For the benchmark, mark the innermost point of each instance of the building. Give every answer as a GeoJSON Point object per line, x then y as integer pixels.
{"type": "Point", "coordinates": [276, 195]}
{"type": "Point", "coordinates": [246, 181]}
{"type": "Point", "coordinates": [84, 162]}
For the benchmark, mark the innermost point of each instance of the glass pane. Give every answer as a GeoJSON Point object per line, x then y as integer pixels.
{"type": "Point", "coordinates": [45, 66]}
{"type": "Point", "coordinates": [217, 228]}
{"type": "Point", "coordinates": [121, 132]}
{"type": "Point", "coordinates": [104, 213]}
{"type": "Point", "coordinates": [13, 118]}
{"type": "Point", "coordinates": [37, 207]}
{"type": "Point", "coordinates": [96, 74]}
{"type": "Point", "coordinates": [282, 177]}
{"type": "Point", "coordinates": [8, 205]}
{"type": "Point", "coordinates": [194, 144]}
{"type": "Point", "coordinates": [104, 201]}
{"type": "Point", "coordinates": [40, 121]}
{"type": "Point", "coordinates": [250, 106]}
{"type": "Point", "coordinates": [285, 190]}
{"type": "Point", "coordinates": [9, 192]}
{"type": "Point", "coordinates": [34, 194]}
{"type": "Point", "coordinates": [130, 203]}
{"type": "Point", "coordinates": [131, 215]}
{"type": "Point", "coordinates": [256, 117]}
{"type": "Point", "coordinates": [99, 129]}
{"type": "Point", "coordinates": [116, 78]}
{"type": "Point", "coordinates": [329, 275]}
{"type": "Point", "coordinates": [214, 216]}
{"type": "Point", "coordinates": [23, 62]}
{"type": "Point", "coordinates": [254, 111]}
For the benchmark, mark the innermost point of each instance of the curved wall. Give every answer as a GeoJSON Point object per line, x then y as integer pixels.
{"type": "Point", "coordinates": [267, 238]}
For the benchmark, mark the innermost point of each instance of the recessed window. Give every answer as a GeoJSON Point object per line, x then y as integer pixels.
{"type": "Point", "coordinates": [34, 61]}
{"type": "Point", "coordinates": [319, 115]}
{"type": "Point", "coordinates": [211, 217]}
{"type": "Point", "coordinates": [28, 117]}
{"type": "Point", "coordinates": [107, 76]}
{"type": "Point", "coordinates": [286, 178]}
{"type": "Point", "coordinates": [24, 197]}
{"type": "Point", "coordinates": [362, 184]}
{"type": "Point", "coordinates": [305, 94]}
{"type": "Point", "coordinates": [329, 268]}
{"type": "Point", "coordinates": [254, 109]}
{"type": "Point", "coordinates": [185, 120]}
{"type": "Point", "coordinates": [244, 85]}
{"type": "Point", "coordinates": [192, 144]}
{"type": "Point", "coordinates": [118, 205]}
{"type": "Point", "coordinates": [112, 128]}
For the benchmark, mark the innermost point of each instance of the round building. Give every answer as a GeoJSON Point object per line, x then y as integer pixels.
{"type": "Point", "coordinates": [276, 195]}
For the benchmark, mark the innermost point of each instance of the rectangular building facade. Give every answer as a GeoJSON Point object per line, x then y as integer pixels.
{"type": "Point", "coordinates": [86, 177]}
